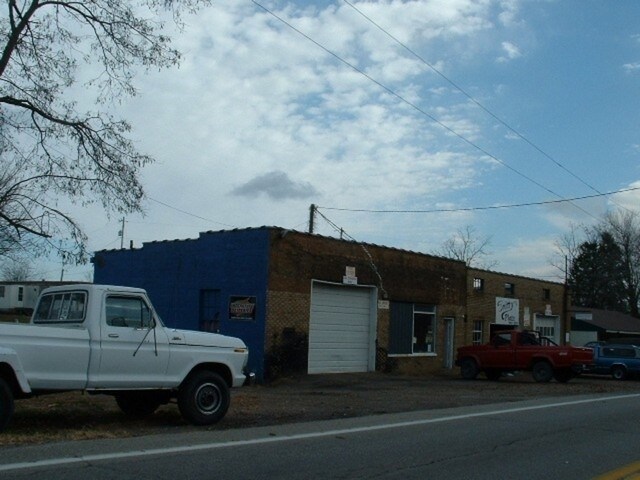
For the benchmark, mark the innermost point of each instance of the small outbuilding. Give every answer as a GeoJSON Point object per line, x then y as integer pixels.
{"type": "Point", "coordinates": [592, 325]}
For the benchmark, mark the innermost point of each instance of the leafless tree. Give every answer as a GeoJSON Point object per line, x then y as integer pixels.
{"type": "Point", "coordinates": [624, 227]}
{"type": "Point", "coordinates": [50, 150]}
{"type": "Point", "coordinates": [467, 246]}
{"type": "Point", "coordinates": [568, 247]}
{"type": "Point", "coordinates": [16, 270]}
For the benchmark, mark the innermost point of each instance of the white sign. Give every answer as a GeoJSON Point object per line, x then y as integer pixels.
{"type": "Point", "coordinates": [507, 311]}
{"type": "Point", "coordinates": [350, 280]}
{"type": "Point", "coordinates": [383, 304]}
{"type": "Point", "coordinates": [350, 272]}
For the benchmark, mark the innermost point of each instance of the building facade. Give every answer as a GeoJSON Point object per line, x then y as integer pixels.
{"type": "Point", "coordinates": [497, 301]}
{"type": "Point", "coordinates": [303, 301]}
{"type": "Point", "coordinates": [315, 304]}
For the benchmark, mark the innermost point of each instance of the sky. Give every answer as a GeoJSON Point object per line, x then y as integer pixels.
{"type": "Point", "coordinates": [403, 121]}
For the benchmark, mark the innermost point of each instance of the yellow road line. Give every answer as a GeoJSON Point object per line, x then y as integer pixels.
{"type": "Point", "coordinates": [628, 472]}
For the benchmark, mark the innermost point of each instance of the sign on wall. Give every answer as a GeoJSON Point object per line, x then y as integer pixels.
{"type": "Point", "coordinates": [507, 311]}
{"type": "Point", "coordinates": [242, 308]}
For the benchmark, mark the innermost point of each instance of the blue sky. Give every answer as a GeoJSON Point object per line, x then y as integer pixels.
{"type": "Point", "coordinates": [260, 121]}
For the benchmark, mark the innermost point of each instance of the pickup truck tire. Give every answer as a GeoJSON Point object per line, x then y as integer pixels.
{"type": "Point", "coordinates": [138, 404]}
{"type": "Point", "coordinates": [469, 368]}
{"type": "Point", "coordinates": [203, 398]}
{"type": "Point", "coordinates": [6, 404]}
{"type": "Point", "coordinates": [618, 372]}
{"type": "Point", "coordinates": [542, 371]}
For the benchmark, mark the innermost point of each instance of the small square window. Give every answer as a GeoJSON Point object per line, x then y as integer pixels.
{"type": "Point", "coordinates": [509, 288]}
{"type": "Point", "coordinates": [478, 284]}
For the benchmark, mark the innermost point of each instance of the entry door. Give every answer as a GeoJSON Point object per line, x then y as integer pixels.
{"type": "Point", "coordinates": [133, 352]}
{"type": "Point", "coordinates": [449, 329]}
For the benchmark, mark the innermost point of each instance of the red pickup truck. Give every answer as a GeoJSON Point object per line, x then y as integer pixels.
{"type": "Point", "coordinates": [514, 350]}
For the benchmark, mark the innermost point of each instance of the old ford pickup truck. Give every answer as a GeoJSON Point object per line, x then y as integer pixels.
{"type": "Point", "coordinates": [109, 340]}
{"type": "Point", "coordinates": [514, 350]}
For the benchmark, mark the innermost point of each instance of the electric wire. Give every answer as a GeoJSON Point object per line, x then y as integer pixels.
{"type": "Point", "coordinates": [416, 107]}
{"type": "Point", "coordinates": [489, 207]}
{"type": "Point", "coordinates": [471, 98]}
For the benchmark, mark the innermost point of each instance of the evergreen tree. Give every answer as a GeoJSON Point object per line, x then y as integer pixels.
{"type": "Point", "coordinates": [596, 275]}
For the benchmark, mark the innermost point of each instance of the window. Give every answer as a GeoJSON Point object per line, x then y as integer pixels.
{"type": "Point", "coordinates": [424, 329]}
{"type": "Point", "coordinates": [546, 294]}
{"type": "Point", "coordinates": [477, 333]}
{"type": "Point", "coordinates": [130, 312]}
{"type": "Point", "coordinates": [20, 294]}
{"type": "Point", "coordinates": [2, 291]}
{"type": "Point", "coordinates": [509, 288]}
{"type": "Point", "coordinates": [68, 307]}
{"type": "Point", "coordinates": [547, 331]}
{"type": "Point", "coordinates": [624, 352]}
{"type": "Point", "coordinates": [413, 329]}
{"type": "Point", "coordinates": [478, 284]}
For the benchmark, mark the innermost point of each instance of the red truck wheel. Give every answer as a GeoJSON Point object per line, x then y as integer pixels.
{"type": "Point", "coordinates": [542, 371]}
{"type": "Point", "coordinates": [469, 369]}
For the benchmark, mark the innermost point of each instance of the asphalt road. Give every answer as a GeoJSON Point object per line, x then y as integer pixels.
{"type": "Point", "coordinates": [562, 438]}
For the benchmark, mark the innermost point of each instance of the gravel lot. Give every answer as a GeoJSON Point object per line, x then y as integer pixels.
{"type": "Point", "coordinates": [73, 416]}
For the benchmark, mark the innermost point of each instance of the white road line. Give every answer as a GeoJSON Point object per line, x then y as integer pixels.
{"type": "Point", "coordinates": [286, 438]}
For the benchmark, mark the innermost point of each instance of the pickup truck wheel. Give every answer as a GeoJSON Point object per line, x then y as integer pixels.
{"type": "Point", "coordinates": [619, 373]}
{"type": "Point", "coordinates": [469, 369]}
{"type": "Point", "coordinates": [6, 404]}
{"type": "Point", "coordinates": [204, 398]}
{"type": "Point", "coordinates": [138, 404]}
{"type": "Point", "coordinates": [542, 371]}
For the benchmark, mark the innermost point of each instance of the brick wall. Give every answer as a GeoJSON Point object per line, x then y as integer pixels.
{"type": "Point", "coordinates": [531, 293]}
{"type": "Point", "coordinates": [400, 276]}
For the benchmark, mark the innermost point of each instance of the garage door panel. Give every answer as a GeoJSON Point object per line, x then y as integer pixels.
{"type": "Point", "coordinates": [341, 329]}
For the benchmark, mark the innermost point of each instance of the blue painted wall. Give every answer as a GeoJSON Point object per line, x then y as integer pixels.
{"type": "Point", "coordinates": [180, 275]}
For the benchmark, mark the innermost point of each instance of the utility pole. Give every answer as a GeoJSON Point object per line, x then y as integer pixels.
{"type": "Point", "coordinates": [312, 216]}
{"type": "Point", "coordinates": [122, 235]}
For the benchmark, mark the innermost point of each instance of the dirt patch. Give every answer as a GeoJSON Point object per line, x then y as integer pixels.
{"type": "Point", "coordinates": [76, 416]}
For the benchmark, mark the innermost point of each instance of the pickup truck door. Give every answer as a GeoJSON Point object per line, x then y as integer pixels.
{"type": "Point", "coordinates": [500, 353]}
{"type": "Point", "coordinates": [133, 352]}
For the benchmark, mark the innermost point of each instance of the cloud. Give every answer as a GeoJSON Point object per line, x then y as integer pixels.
{"type": "Point", "coordinates": [511, 52]}
{"type": "Point", "coordinates": [276, 185]}
{"type": "Point", "coordinates": [631, 67]}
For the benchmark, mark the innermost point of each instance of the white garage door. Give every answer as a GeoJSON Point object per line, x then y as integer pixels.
{"type": "Point", "coordinates": [548, 326]}
{"type": "Point", "coordinates": [341, 329]}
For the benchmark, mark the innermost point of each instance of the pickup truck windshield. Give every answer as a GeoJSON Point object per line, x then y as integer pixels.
{"type": "Point", "coordinates": [68, 307]}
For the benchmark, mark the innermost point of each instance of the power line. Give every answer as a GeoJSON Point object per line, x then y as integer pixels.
{"type": "Point", "coordinates": [469, 209]}
{"type": "Point", "coordinates": [472, 99]}
{"type": "Point", "coordinates": [190, 214]}
{"type": "Point", "coordinates": [416, 107]}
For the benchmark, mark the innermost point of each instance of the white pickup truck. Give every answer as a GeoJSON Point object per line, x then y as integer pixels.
{"type": "Point", "coordinates": [109, 340]}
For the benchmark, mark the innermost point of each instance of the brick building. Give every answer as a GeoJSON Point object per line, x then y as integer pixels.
{"type": "Point", "coordinates": [319, 305]}
{"type": "Point", "coordinates": [498, 300]}
{"type": "Point", "coordinates": [303, 301]}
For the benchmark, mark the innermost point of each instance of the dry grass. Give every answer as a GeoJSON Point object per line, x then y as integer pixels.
{"type": "Point", "coordinates": [77, 416]}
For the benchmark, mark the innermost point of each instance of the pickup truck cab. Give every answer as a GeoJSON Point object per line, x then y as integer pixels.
{"type": "Point", "coordinates": [514, 350]}
{"type": "Point", "coordinates": [619, 361]}
{"type": "Point", "coordinates": [108, 339]}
